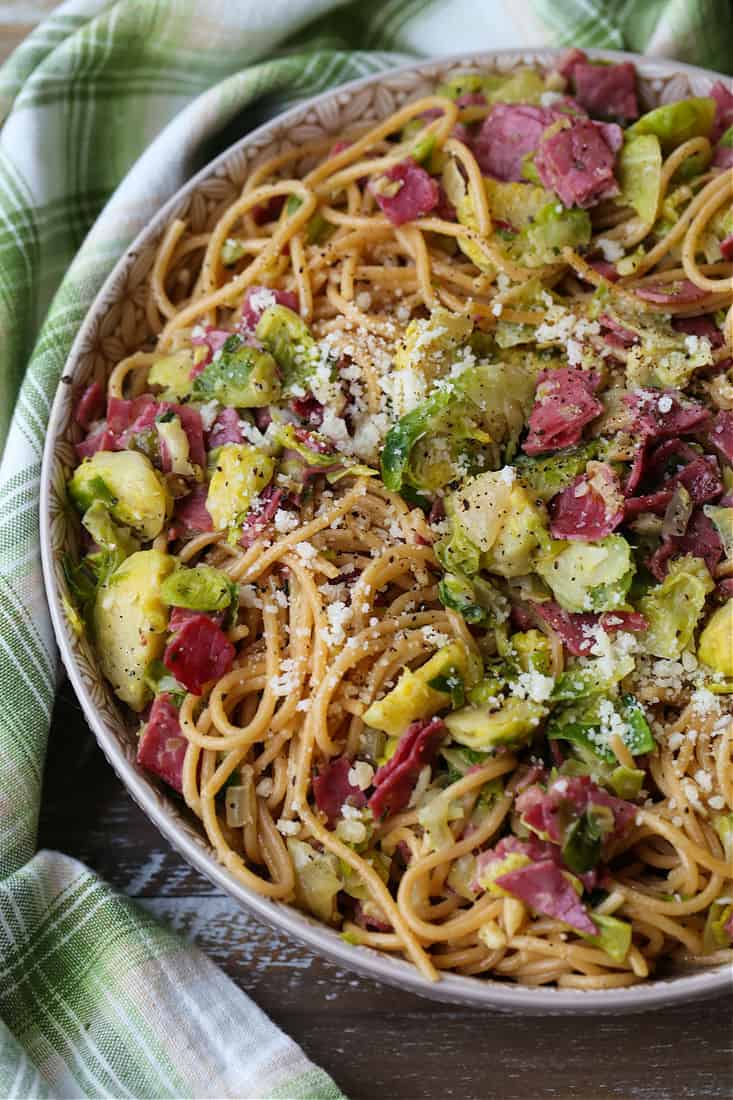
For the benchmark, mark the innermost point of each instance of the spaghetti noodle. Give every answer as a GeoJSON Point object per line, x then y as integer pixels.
{"type": "Point", "coordinates": [412, 534]}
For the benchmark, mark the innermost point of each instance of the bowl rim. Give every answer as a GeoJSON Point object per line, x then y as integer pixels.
{"type": "Point", "coordinates": [452, 988]}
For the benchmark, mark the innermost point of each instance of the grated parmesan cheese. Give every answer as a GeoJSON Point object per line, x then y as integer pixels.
{"type": "Point", "coordinates": [434, 637]}
{"type": "Point", "coordinates": [704, 702]}
{"type": "Point", "coordinates": [612, 250]}
{"type": "Point", "coordinates": [533, 685]}
{"type": "Point", "coordinates": [261, 299]}
{"type": "Point", "coordinates": [338, 614]}
{"type": "Point", "coordinates": [360, 775]}
{"type": "Point", "coordinates": [285, 521]}
{"type": "Point", "coordinates": [208, 414]}
{"type": "Point", "coordinates": [306, 551]}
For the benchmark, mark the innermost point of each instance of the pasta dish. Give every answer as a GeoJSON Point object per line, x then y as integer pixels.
{"type": "Point", "coordinates": [409, 541]}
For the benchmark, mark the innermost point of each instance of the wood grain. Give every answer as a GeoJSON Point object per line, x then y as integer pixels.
{"type": "Point", "coordinates": [375, 1041]}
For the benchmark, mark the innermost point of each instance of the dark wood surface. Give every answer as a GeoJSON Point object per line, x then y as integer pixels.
{"type": "Point", "coordinates": [375, 1041]}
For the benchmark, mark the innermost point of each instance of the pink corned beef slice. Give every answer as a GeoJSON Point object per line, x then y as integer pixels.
{"type": "Point", "coordinates": [671, 294]}
{"type": "Point", "coordinates": [673, 463]}
{"type": "Point", "coordinates": [332, 788]}
{"type": "Point", "coordinates": [135, 414]}
{"type": "Point", "coordinates": [91, 405]}
{"type": "Point", "coordinates": [534, 849]}
{"type": "Point", "coordinates": [405, 192]}
{"type": "Point", "coordinates": [637, 468]}
{"type": "Point", "coordinates": [726, 246]}
{"type": "Point", "coordinates": [508, 134]}
{"type": "Point", "coordinates": [662, 413]}
{"type": "Point", "coordinates": [723, 158]}
{"type": "Point", "coordinates": [699, 475]}
{"type": "Point", "coordinates": [543, 887]}
{"type": "Point", "coordinates": [191, 423]}
{"type": "Point", "coordinates": [606, 269]}
{"type": "Point", "coordinates": [569, 60]}
{"type": "Point", "coordinates": [126, 418]}
{"type": "Point", "coordinates": [368, 915]}
{"type": "Point", "coordinates": [550, 812]}
{"type": "Point", "coordinates": [312, 442]}
{"type": "Point", "coordinates": [213, 339]}
{"type": "Point", "coordinates": [702, 326]}
{"type": "Point", "coordinates": [199, 652]}
{"type": "Point", "coordinates": [260, 514]}
{"type": "Point", "coordinates": [268, 211]}
{"type": "Point", "coordinates": [721, 435]}
{"type": "Point", "coordinates": [577, 629]}
{"type": "Point", "coordinates": [308, 408]}
{"type": "Point", "coordinates": [525, 776]}
{"type": "Point", "coordinates": [615, 334]}
{"type": "Point", "coordinates": [103, 440]}
{"type": "Point", "coordinates": [531, 847]}
{"type": "Point", "coordinates": [564, 404]}
{"type": "Point", "coordinates": [471, 99]}
{"type": "Point", "coordinates": [162, 747]}
{"type": "Point", "coordinates": [395, 780]}
{"type": "Point", "coordinates": [700, 539]}
{"type": "Point", "coordinates": [445, 208]}
{"type": "Point", "coordinates": [591, 507]}
{"type": "Point", "coordinates": [191, 515]}
{"type": "Point", "coordinates": [182, 615]}
{"type": "Point", "coordinates": [577, 162]}
{"type": "Point", "coordinates": [606, 91]}
{"type": "Point", "coordinates": [225, 429]}
{"type": "Point", "coordinates": [724, 109]}
{"type": "Point", "coordinates": [257, 299]}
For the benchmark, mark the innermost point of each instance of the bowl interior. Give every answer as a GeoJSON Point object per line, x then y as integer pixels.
{"type": "Point", "coordinates": [116, 326]}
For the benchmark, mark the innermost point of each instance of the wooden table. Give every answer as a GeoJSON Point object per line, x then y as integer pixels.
{"type": "Point", "coordinates": [374, 1040]}
{"type": "Point", "coordinates": [17, 19]}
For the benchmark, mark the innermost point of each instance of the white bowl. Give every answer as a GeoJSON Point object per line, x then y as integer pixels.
{"type": "Point", "coordinates": [112, 329]}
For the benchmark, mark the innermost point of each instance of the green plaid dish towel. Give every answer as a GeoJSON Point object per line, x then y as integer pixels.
{"type": "Point", "coordinates": [107, 108]}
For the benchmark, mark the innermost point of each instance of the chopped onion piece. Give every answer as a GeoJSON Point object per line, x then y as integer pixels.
{"type": "Point", "coordinates": [678, 513]}
{"type": "Point", "coordinates": [238, 801]}
{"type": "Point", "coordinates": [647, 524]}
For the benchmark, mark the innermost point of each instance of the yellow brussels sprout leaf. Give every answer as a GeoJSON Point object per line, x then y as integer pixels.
{"type": "Point", "coordinates": [715, 647]}
{"type": "Point", "coordinates": [639, 174]}
{"type": "Point", "coordinates": [673, 607]}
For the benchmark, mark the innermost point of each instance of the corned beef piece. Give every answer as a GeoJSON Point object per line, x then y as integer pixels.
{"type": "Point", "coordinates": [577, 162]}
{"type": "Point", "coordinates": [198, 652]}
{"type": "Point", "coordinates": [162, 747]}
{"type": "Point", "coordinates": [606, 91]}
{"type": "Point", "coordinates": [405, 192]}
{"type": "Point", "coordinates": [332, 788]}
{"type": "Point", "coordinates": [564, 404]}
{"type": "Point", "coordinates": [590, 508]}
{"type": "Point", "coordinates": [577, 629]}
{"type": "Point", "coordinates": [395, 780]}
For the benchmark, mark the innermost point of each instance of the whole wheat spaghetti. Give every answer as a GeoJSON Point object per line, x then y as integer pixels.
{"type": "Point", "coordinates": [410, 536]}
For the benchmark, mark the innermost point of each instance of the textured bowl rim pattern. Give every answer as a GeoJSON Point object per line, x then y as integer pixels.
{"type": "Point", "coordinates": [116, 740]}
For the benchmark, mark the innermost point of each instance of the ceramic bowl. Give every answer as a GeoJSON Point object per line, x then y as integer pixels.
{"type": "Point", "coordinates": [116, 326]}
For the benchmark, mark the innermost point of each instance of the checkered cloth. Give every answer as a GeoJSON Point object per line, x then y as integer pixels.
{"type": "Point", "coordinates": [96, 998]}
